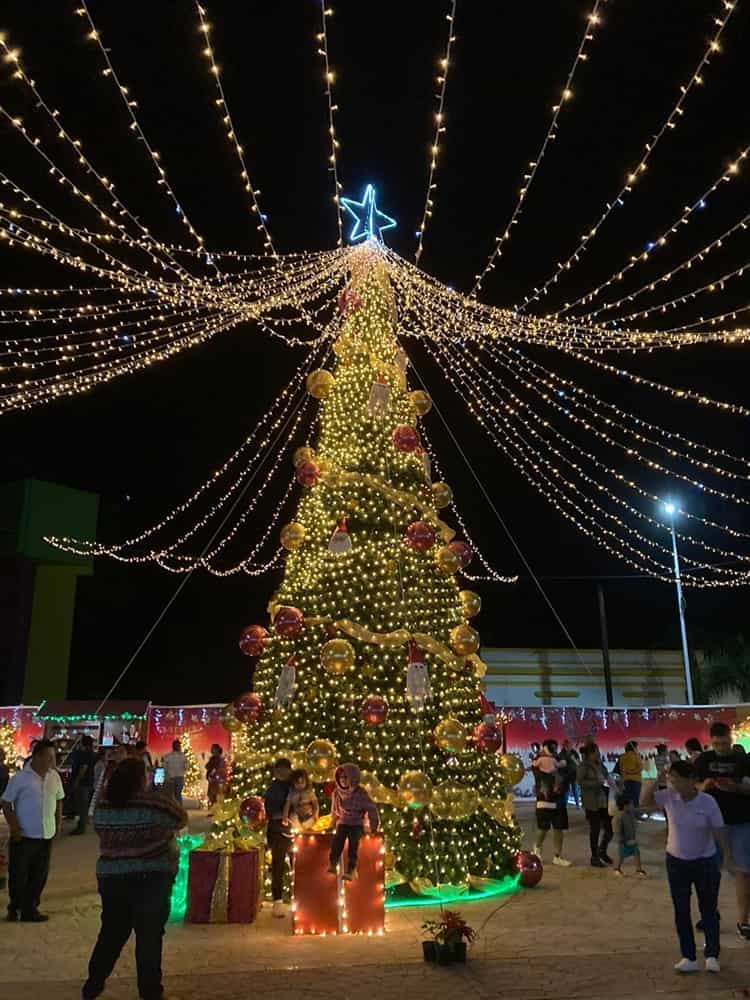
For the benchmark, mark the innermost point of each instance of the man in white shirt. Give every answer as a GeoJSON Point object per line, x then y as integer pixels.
{"type": "Point", "coordinates": [32, 806]}
{"type": "Point", "coordinates": [175, 766]}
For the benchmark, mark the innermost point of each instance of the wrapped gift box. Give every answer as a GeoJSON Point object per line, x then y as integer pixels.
{"type": "Point", "coordinates": [326, 904]}
{"type": "Point", "coordinates": [223, 887]}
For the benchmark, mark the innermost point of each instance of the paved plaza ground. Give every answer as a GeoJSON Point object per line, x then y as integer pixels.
{"type": "Point", "coordinates": [581, 933]}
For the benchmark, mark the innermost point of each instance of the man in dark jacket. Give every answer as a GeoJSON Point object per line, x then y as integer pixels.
{"type": "Point", "coordinates": [278, 834]}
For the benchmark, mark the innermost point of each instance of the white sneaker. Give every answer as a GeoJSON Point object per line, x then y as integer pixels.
{"type": "Point", "coordinates": [686, 965]}
{"type": "Point", "coordinates": [278, 908]}
{"type": "Point", "coordinates": [562, 862]}
{"type": "Point", "coordinates": [712, 965]}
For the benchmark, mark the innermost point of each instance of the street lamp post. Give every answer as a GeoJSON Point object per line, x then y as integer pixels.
{"type": "Point", "coordinates": [670, 510]}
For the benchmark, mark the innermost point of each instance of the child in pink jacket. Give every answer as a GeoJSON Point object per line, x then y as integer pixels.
{"type": "Point", "coordinates": [349, 806]}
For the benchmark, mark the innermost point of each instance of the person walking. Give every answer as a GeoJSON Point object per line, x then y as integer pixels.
{"type": "Point", "coordinates": [175, 768]}
{"type": "Point", "coordinates": [135, 872]}
{"type": "Point", "coordinates": [278, 834]}
{"type": "Point", "coordinates": [551, 810]}
{"type": "Point", "coordinates": [631, 770]}
{"type": "Point", "coordinates": [725, 776]}
{"type": "Point", "coordinates": [694, 825]}
{"type": "Point", "coordinates": [32, 806]}
{"type": "Point", "coordinates": [82, 765]}
{"type": "Point", "coordinates": [592, 779]}
{"type": "Point", "coordinates": [216, 773]}
{"type": "Point", "coordinates": [570, 756]}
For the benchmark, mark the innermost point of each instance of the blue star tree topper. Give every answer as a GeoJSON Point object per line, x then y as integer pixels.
{"type": "Point", "coordinates": [369, 222]}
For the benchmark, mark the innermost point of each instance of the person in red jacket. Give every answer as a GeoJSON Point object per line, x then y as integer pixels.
{"type": "Point", "coordinates": [349, 806]}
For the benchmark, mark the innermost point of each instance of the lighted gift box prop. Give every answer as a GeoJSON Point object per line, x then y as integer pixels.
{"type": "Point", "coordinates": [223, 886]}
{"type": "Point", "coordinates": [326, 904]}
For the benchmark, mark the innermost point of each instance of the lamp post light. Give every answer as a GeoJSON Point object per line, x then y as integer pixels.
{"type": "Point", "coordinates": [670, 509]}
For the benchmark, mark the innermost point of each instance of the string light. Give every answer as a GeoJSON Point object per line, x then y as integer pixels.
{"type": "Point", "coordinates": [326, 11]}
{"type": "Point", "coordinates": [592, 21]}
{"type": "Point", "coordinates": [636, 172]}
{"type": "Point", "coordinates": [442, 82]}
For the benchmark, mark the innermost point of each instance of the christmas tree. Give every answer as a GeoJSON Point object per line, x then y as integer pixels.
{"type": "Point", "coordinates": [8, 743]}
{"type": "Point", "coordinates": [194, 774]}
{"type": "Point", "coordinates": [370, 656]}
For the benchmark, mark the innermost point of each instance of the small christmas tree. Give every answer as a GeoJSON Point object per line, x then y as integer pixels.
{"type": "Point", "coordinates": [194, 775]}
{"type": "Point", "coordinates": [370, 656]}
{"type": "Point", "coordinates": [8, 743]}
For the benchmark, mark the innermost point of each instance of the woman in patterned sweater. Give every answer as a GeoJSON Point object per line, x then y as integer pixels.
{"type": "Point", "coordinates": [135, 871]}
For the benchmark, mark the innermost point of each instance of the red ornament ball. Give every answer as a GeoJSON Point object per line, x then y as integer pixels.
{"type": "Point", "coordinates": [420, 536]}
{"type": "Point", "coordinates": [288, 622]}
{"type": "Point", "coordinates": [531, 868]}
{"type": "Point", "coordinates": [248, 707]}
{"type": "Point", "coordinates": [253, 812]}
{"type": "Point", "coordinates": [375, 710]}
{"type": "Point", "coordinates": [464, 552]}
{"type": "Point", "coordinates": [488, 736]}
{"type": "Point", "coordinates": [405, 438]}
{"type": "Point", "coordinates": [253, 640]}
{"type": "Point", "coordinates": [308, 473]}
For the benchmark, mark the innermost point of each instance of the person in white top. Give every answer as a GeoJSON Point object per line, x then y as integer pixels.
{"type": "Point", "coordinates": [175, 767]}
{"type": "Point", "coordinates": [32, 806]}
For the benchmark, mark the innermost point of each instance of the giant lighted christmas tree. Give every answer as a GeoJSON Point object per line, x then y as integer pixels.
{"type": "Point", "coordinates": [369, 655]}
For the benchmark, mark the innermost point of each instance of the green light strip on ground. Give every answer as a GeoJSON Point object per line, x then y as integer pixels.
{"type": "Point", "coordinates": [454, 895]}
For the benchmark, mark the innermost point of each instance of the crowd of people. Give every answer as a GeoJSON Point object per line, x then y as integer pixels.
{"type": "Point", "coordinates": [705, 798]}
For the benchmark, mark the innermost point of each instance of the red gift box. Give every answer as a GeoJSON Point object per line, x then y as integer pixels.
{"type": "Point", "coordinates": [326, 904]}
{"type": "Point", "coordinates": [223, 887]}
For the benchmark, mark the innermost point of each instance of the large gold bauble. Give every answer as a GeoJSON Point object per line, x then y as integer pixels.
{"type": "Point", "coordinates": [450, 734]}
{"type": "Point", "coordinates": [302, 455]}
{"type": "Point", "coordinates": [321, 759]}
{"type": "Point", "coordinates": [442, 495]}
{"type": "Point", "coordinates": [499, 810]}
{"type": "Point", "coordinates": [292, 536]}
{"type": "Point", "coordinates": [421, 402]}
{"type": "Point", "coordinates": [337, 656]}
{"type": "Point", "coordinates": [415, 789]}
{"type": "Point", "coordinates": [448, 800]}
{"type": "Point", "coordinates": [512, 768]}
{"type": "Point", "coordinates": [229, 720]}
{"type": "Point", "coordinates": [471, 603]}
{"type": "Point", "coordinates": [319, 383]}
{"type": "Point", "coordinates": [447, 561]}
{"type": "Point", "coordinates": [464, 640]}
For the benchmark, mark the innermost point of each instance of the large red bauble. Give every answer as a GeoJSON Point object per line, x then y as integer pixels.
{"type": "Point", "coordinates": [253, 812]}
{"type": "Point", "coordinates": [420, 536]}
{"type": "Point", "coordinates": [253, 640]}
{"type": "Point", "coordinates": [308, 473]}
{"type": "Point", "coordinates": [464, 552]}
{"type": "Point", "coordinates": [288, 622]}
{"type": "Point", "coordinates": [248, 707]}
{"type": "Point", "coordinates": [405, 438]}
{"type": "Point", "coordinates": [375, 709]}
{"type": "Point", "coordinates": [488, 736]}
{"type": "Point", "coordinates": [531, 868]}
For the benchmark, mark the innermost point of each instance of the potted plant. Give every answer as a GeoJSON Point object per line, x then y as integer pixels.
{"type": "Point", "coordinates": [450, 935]}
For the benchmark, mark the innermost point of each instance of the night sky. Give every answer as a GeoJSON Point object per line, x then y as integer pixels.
{"type": "Point", "coordinates": [145, 442]}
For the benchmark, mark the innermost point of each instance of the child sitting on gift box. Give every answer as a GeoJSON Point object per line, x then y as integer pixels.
{"type": "Point", "coordinates": [278, 836]}
{"type": "Point", "coordinates": [349, 806]}
{"type": "Point", "coordinates": [301, 804]}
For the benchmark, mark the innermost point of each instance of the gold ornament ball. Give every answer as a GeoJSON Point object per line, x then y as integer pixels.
{"type": "Point", "coordinates": [480, 667]}
{"type": "Point", "coordinates": [450, 734]}
{"type": "Point", "coordinates": [447, 800]}
{"type": "Point", "coordinates": [292, 536]}
{"type": "Point", "coordinates": [229, 720]}
{"type": "Point", "coordinates": [442, 495]}
{"type": "Point", "coordinates": [512, 768]}
{"type": "Point", "coordinates": [319, 383]}
{"type": "Point", "coordinates": [302, 455]}
{"type": "Point", "coordinates": [447, 561]}
{"type": "Point", "coordinates": [464, 640]}
{"type": "Point", "coordinates": [471, 603]}
{"type": "Point", "coordinates": [320, 756]}
{"type": "Point", "coordinates": [415, 789]}
{"type": "Point", "coordinates": [337, 656]}
{"type": "Point", "coordinates": [421, 402]}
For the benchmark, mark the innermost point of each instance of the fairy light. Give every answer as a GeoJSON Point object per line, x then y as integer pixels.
{"type": "Point", "coordinates": [635, 173]}
{"type": "Point", "coordinates": [221, 103]}
{"type": "Point", "coordinates": [135, 127]}
{"type": "Point", "coordinates": [658, 241]}
{"type": "Point", "coordinates": [440, 127]}
{"type": "Point", "coordinates": [593, 20]}
{"type": "Point", "coordinates": [326, 11]}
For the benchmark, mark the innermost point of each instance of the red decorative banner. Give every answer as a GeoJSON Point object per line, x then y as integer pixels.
{"type": "Point", "coordinates": [23, 719]}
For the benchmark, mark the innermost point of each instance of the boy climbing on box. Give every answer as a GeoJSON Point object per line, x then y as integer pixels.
{"type": "Point", "coordinates": [349, 806]}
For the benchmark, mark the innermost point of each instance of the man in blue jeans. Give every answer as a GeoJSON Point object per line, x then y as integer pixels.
{"type": "Point", "coordinates": [694, 824]}
{"type": "Point", "coordinates": [175, 768]}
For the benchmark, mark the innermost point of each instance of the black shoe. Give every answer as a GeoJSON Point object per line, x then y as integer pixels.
{"type": "Point", "coordinates": [743, 931]}
{"type": "Point", "coordinates": [699, 924]}
{"type": "Point", "coordinates": [597, 862]}
{"type": "Point", "coordinates": [12, 916]}
{"type": "Point", "coordinates": [35, 918]}
{"type": "Point", "coordinates": [606, 858]}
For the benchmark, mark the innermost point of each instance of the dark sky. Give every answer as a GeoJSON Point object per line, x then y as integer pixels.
{"type": "Point", "coordinates": [147, 441]}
